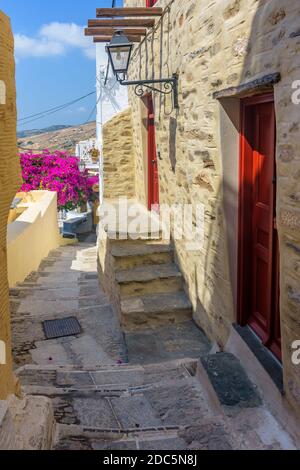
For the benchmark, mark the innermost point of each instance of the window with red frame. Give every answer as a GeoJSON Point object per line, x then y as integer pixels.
{"type": "Point", "coordinates": [150, 3]}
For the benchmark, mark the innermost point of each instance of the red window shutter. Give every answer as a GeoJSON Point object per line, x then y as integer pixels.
{"type": "Point", "coordinates": [150, 3]}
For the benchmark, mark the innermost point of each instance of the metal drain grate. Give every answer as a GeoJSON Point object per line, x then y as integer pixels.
{"type": "Point", "coordinates": [61, 328]}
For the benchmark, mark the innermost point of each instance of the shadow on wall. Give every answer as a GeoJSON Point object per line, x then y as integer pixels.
{"type": "Point", "coordinates": [271, 39]}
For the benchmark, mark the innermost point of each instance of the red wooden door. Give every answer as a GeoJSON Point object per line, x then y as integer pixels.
{"type": "Point", "coordinates": [153, 178]}
{"type": "Point", "coordinates": [150, 3]}
{"type": "Point", "coordinates": [259, 255]}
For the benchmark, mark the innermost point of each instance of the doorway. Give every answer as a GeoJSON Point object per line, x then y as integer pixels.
{"type": "Point", "coordinates": [258, 279]}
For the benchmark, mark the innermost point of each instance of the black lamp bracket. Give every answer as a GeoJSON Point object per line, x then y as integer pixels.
{"type": "Point", "coordinates": [170, 85]}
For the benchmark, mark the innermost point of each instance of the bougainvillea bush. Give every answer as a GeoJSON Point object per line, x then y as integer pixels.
{"type": "Point", "coordinates": [58, 172]}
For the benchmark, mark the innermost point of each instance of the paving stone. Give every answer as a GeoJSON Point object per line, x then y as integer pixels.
{"type": "Point", "coordinates": [164, 444]}
{"type": "Point", "coordinates": [74, 443]}
{"type": "Point", "coordinates": [135, 412]}
{"type": "Point", "coordinates": [74, 379]}
{"type": "Point", "coordinates": [32, 377]}
{"type": "Point", "coordinates": [94, 412]}
{"type": "Point", "coordinates": [210, 436]}
{"type": "Point", "coordinates": [92, 301]}
{"type": "Point", "coordinates": [51, 352]}
{"type": "Point", "coordinates": [39, 308]}
{"type": "Point", "coordinates": [88, 289]}
{"type": "Point", "coordinates": [127, 377]}
{"type": "Point", "coordinates": [89, 351]}
{"type": "Point", "coordinates": [59, 294]}
{"type": "Point", "coordinates": [111, 445]}
{"type": "Point", "coordinates": [169, 342]}
{"type": "Point", "coordinates": [230, 381]}
{"type": "Point", "coordinates": [179, 404]}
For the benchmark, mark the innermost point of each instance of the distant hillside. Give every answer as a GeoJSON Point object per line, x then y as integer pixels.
{"type": "Point", "coordinates": [59, 138]}
{"type": "Point", "coordinates": [31, 132]}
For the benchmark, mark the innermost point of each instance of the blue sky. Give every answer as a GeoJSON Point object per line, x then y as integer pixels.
{"type": "Point", "coordinates": [55, 63]}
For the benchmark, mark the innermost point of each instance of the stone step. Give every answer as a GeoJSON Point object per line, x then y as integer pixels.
{"type": "Point", "coordinates": [75, 437]}
{"type": "Point", "coordinates": [178, 402]}
{"type": "Point", "coordinates": [53, 283]}
{"type": "Point", "coordinates": [72, 293]}
{"type": "Point", "coordinates": [151, 311]}
{"type": "Point", "coordinates": [129, 254]}
{"type": "Point", "coordinates": [124, 375]}
{"type": "Point", "coordinates": [33, 422]}
{"type": "Point", "coordinates": [36, 286]}
{"type": "Point", "coordinates": [147, 279]}
{"type": "Point", "coordinates": [210, 433]}
{"type": "Point", "coordinates": [229, 381]}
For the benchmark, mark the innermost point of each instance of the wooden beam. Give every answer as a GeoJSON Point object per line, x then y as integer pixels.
{"type": "Point", "coordinates": [123, 23]}
{"type": "Point", "coordinates": [127, 12]}
{"type": "Point", "coordinates": [109, 38]}
{"type": "Point", "coordinates": [110, 31]}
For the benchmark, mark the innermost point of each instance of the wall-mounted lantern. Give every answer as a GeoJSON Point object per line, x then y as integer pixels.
{"type": "Point", "coordinates": [119, 52]}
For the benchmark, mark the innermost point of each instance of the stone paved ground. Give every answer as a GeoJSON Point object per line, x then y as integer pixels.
{"type": "Point", "coordinates": [139, 391]}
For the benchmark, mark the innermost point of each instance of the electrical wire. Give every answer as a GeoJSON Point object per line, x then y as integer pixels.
{"type": "Point", "coordinates": [93, 110]}
{"type": "Point", "coordinates": [34, 117]}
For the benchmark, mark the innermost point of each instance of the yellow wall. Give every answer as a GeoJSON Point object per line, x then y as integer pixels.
{"type": "Point", "coordinates": [9, 183]}
{"type": "Point", "coordinates": [32, 236]}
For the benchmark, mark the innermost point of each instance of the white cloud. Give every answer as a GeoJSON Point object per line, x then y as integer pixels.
{"type": "Point", "coordinates": [54, 39]}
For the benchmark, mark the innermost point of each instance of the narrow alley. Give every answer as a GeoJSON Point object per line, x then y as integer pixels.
{"type": "Point", "coordinates": [149, 228]}
{"type": "Point", "coordinates": [146, 389]}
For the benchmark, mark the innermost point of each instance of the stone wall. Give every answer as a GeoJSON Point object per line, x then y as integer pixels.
{"type": "Point", "coordinates": [9, 182]}
{"type": "Point", "coordinates": [212, 46]}
{"type": "Point", "coordinates": [118, 154]}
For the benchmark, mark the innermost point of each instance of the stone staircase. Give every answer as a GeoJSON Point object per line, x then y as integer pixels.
{"type": "Point", "coordinates": [156, 407]}
{"type": "Point", "coordinates": [149, 285]}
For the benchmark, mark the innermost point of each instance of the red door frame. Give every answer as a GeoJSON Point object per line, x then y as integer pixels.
{"type": "Point", "coordinates": [245, 236]}
{"type": "Point", "coordinates": [153, 179]}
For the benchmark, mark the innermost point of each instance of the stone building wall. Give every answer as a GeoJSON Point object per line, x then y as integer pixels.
{"type": "Point", "coordinates": [9, 183]}
{"type": "Point", "coordinates": [212, 46]}
{"type": "Point", "coordinates": [119, 157]}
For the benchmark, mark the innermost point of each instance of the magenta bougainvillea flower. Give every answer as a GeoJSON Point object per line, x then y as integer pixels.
{"type": "Point", "coordinates": [57, 172]}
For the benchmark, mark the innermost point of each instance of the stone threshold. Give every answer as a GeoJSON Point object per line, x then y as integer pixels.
{"type": "Point", "coordinates": [263, 355]}
{"type": "Point", "coordinates": [262, 84]}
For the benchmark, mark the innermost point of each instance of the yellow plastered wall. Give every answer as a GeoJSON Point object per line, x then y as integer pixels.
{"type": "Point", "coordinates": [9, 183]}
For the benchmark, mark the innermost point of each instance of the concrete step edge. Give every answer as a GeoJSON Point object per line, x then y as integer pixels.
{"type": "Point", "coordinates": [148, 273]}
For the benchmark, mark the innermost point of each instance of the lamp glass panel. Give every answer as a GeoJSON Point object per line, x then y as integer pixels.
{"type": "Point", "coordinates": [120, 57]}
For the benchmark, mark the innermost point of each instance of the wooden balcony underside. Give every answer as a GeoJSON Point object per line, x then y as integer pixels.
{"type": "Point", "coordinates": [121, 22]}
{"type": "Point", "coordinates": [128, 12]}
{"type": "Point", "coordinates": [98, 39]}
{"type": "Point", "coordinates": [110, 31]}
